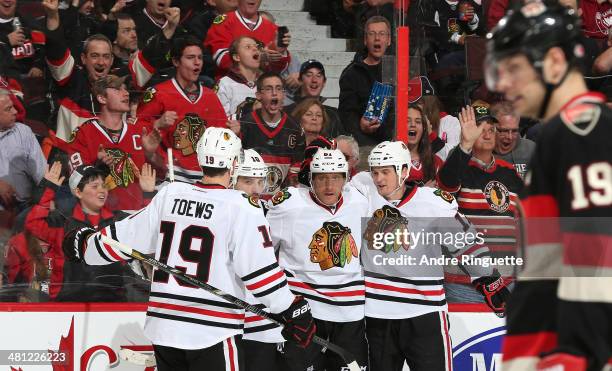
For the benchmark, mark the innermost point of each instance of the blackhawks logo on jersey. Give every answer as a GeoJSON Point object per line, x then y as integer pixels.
{"type": "Point", "coordinates": [444, 195]}
{"type": "Point", "coordinates": [332, 246]}
{"type": "Point", "coordinates": [219, 19]}
{"type": "Point", "coordinates": [73, 134]}
{"type": "Point", "coordinates": [253, 200]}
{"type": "Point", "coordinates": [386, 220]}
{"type": "Point", "coordinates": [148, 95]}
{"type": "Point", "coordinates": [280, 196]}
{"type": "Point", "coordinates": [497, 196]}
{"type": "Point", "coordinates": [122, 172]}
{"type": "Point", "coordinates": [187, 133]}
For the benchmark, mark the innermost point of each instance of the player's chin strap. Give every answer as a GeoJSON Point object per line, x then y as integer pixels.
{"type": "Point", "coordinates": [400, 184]}
{"type": "Point", "coordinates": [549, 87]}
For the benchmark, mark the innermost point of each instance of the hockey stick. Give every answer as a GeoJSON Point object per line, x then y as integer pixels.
{"type": "Point", "coordinates": [350, 360]}
{"type": "Point", "coordinates": [170, 165]}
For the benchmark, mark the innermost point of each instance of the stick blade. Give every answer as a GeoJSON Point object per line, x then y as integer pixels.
{"type": "Point", "coordinates": [354, 366]}
{"type": "Point", "coordinates": [137, 358]}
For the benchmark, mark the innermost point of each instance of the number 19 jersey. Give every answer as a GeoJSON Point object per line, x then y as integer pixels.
{"type": "Point", "coordinates": [213, 234]}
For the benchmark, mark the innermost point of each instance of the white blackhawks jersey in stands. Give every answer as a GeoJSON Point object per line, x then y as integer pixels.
{"type": "Point", "coordinates": [212, 233]}
{"type": "Point", "coordinates": [232, 91]}
{"type": "Point", "coordinates": [319, 250]}
{"type": "Point", "coordinates": [395, 296]}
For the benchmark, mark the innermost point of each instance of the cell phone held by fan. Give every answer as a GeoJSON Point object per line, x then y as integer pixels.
{"type": "Point", "coordinates": [280, 35]}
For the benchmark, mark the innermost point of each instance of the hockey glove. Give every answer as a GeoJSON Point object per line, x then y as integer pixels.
{"type": "Point", "coordinates": [74, 243]}
{"type": "Point", "coordinates": [495, 291]}
{"type": "Point", "coordinates": [299, 325]}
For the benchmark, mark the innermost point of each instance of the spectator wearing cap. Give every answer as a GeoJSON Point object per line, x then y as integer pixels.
{"type": "Point", "coordinates": [509, 146]}
{"type": "Point", "coordinates": [22, 163]}
{"type": "Point", "coordinates": [119, 145]}
{"type": "Point", "coordinates": [357, 81]}
{"type": "Point", "coordinates": [72, 281]}
{"type": "Point", "coordinates": [313, 80]}
{"type": "Point", "coordinates": [486, 189]}
{"type": "Point", "coordinates": [239, 84]}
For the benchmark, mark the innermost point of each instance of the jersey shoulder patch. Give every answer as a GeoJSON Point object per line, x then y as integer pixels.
{"type": "Point", "coordinates": [149, 94]}
{"type": "Point", "coordinates": [219, 19]}
{"type": "Point", "coordinates": [253, 200]}
{"type": "Point", "coordinates": [280, 197]}
{"type": "Point", "coordinates": [446, 196]}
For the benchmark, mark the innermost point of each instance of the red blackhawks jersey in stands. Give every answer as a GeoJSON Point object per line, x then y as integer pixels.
{"type": "Point", "coordinates": [195, 113]}
{"type": "Point", "coordinates": [124, 189]}
{"type": "Point", "coordinates": [487, 195]}
{"type": "Point", "coordinates": [397, 294]}
{"type": "Point", "coordinates": [319, 249]}
{"type": "Point", "coordinates": [218, 236]}
{"type": "Point", "coordinates": [570, 177]}
{"type": "Point", "coordinates": [232, 25]}
{"type": "Point", "coordinates": [281, 147]}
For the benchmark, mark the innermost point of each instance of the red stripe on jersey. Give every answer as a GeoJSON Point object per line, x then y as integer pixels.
{"type": "Point", "coordinates": [405, 200]}
{"type": "Point", "coordinates": [265, 281]}
{"type": "Point", "coordinates": [540, 206]}
{"type": "Point", "coordinates": [330, 294]}
{"type": "Point", "coordinates": [472, 195]}
{"type": "Point", "coordinates": [266, 129]}
{"type": "Point", "coordinates": [542, 230]}
{"type": "Point", "coordinates": [206, 312]}
{"type": "Point", "coordinates": [38, 37]}
{"type": "Point", "coordinates": [528, 345]}
{"type": "Point", "coordinates": [473, 205]}
{"type": "Point", "coordinates": [590, 250]}
{"type": "Point", "coordinates": [109, 249]}
{"type": "Point", "coordinates": [404, 290]}
{"type": "Point", "coordinates": [253, 319]}
{"type": "Point", "coordinates": [230, 351]}
{"type": "Point", "coordinates": [76, 109]}
{"type": "Point", "coordinates": [61, 61]}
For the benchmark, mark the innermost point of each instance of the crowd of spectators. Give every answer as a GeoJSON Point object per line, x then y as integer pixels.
{"type": "Point", "coordinates": [102, 102]}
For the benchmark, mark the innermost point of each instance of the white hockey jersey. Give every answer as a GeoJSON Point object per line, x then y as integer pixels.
{"type": "Point", "coordinates": [394, 295]}
{"type": "Point", "coordinates": [212, 233]}
{"type": "Point", "coordinates": [257, 328]}
{"type": "Point", "coordinates": [319, 250]}
{"type": "Point", "coordinates": [232, 91]}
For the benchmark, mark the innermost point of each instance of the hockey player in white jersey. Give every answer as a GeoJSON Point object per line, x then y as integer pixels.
{"type": "Point", "coordinates": [318, 233]}
{"type": "Point", "coordinates": [261, 337]}
{"type": "Point", "coordinates": [406, 311]}
{"type": "Point", "coordinates": [217, 236]}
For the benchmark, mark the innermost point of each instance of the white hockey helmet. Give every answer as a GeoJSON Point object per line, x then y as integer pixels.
{"type": "Point", "coordinates": [252, 166]}
{"type": "Point", "coordinates": [329, 161]}
{"type": "Point", "coordinates": [394, 154]}
{"type": "Point", "coordinates": [219, 148]}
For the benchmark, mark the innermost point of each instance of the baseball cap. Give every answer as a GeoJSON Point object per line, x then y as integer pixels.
{"type": "Point", "coordinates": [418, 87]}
{"type": "Point", "coordinates": [108, 81]}
{"type": "Point", "coordinates": [483, 113]}
{"type": "Point", "coordinates": [83, 172]}
{"type": "Point", "coordinates": [312, 63]}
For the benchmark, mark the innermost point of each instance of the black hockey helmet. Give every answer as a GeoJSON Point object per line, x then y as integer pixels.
{"type": "Point", "coordinates": [532, 29]}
